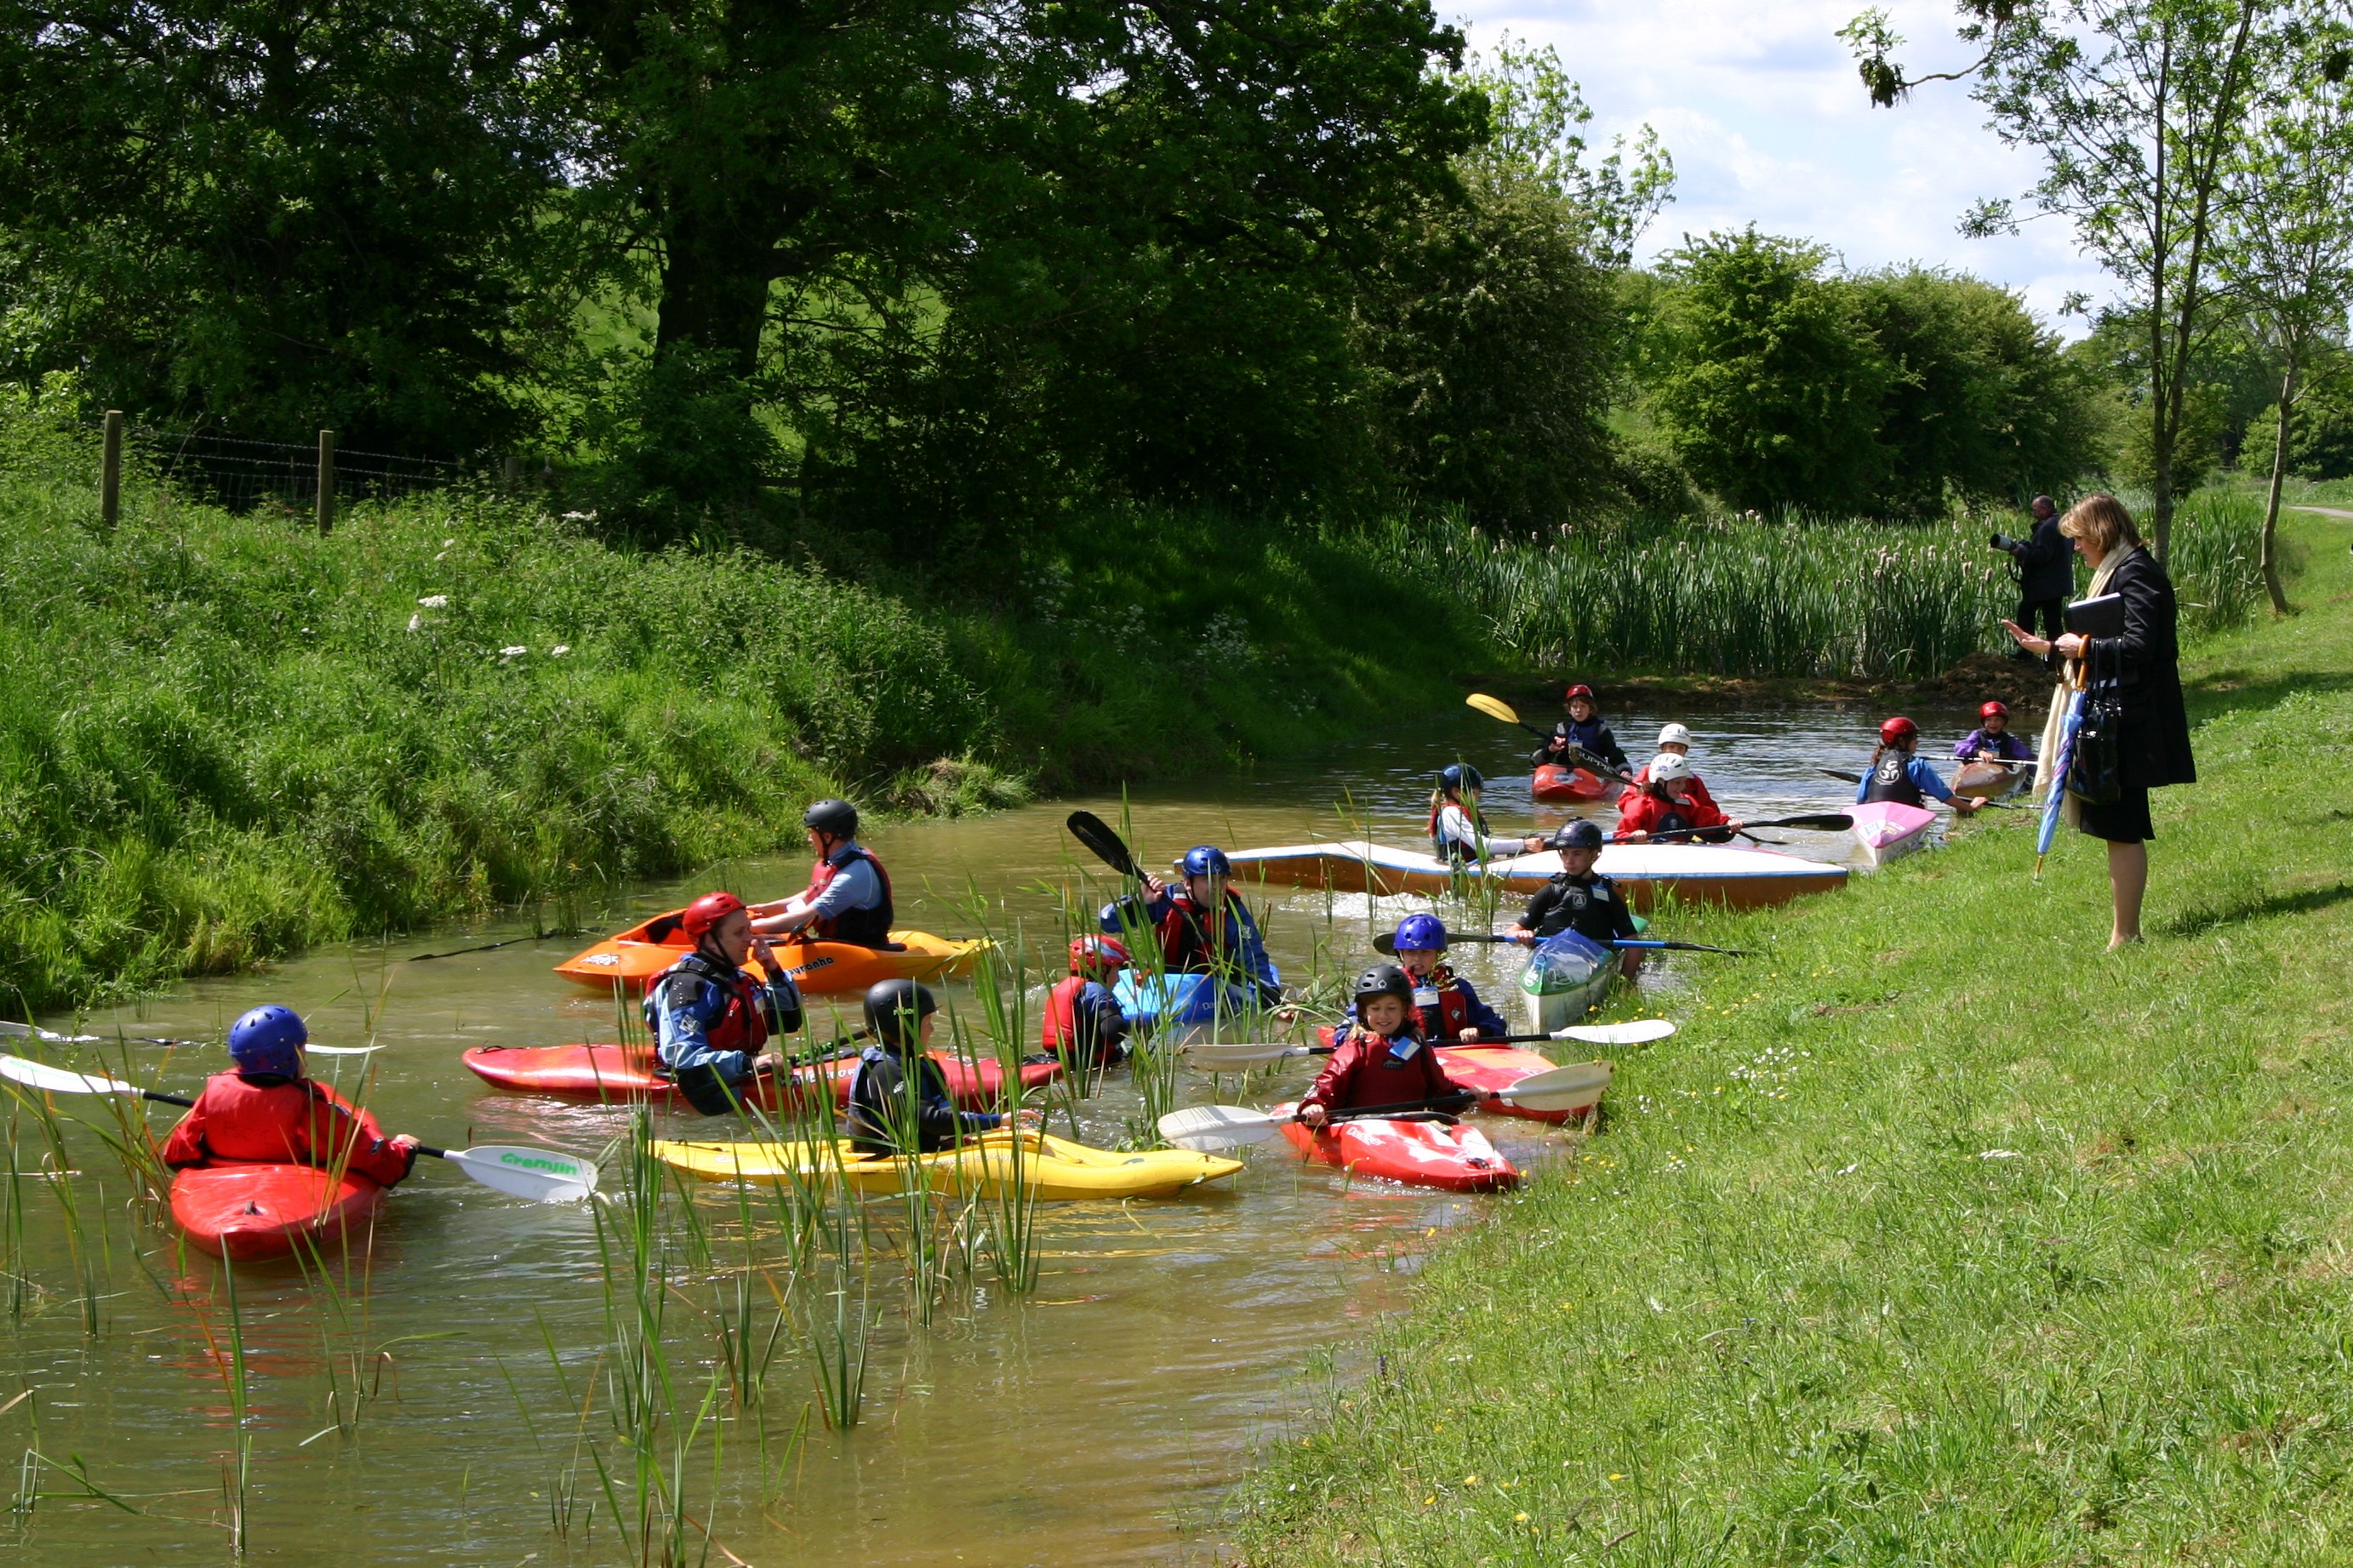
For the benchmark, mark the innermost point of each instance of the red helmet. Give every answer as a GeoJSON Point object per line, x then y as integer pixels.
{"type": "Point", "coordinates": [1993, 710]}
{"type": "Point", "coordinates": [1097, 953]}
{"type": "Point", "coordinates": [1578, 691]}
{"type": "Point", "coordinates": [707, 912]}
{"type": "Point", "coordinates": [1898, 729]}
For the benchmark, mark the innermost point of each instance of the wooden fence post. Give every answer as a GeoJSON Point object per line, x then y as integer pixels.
{"type": "Point", "coordinates": [326, 481]}
{"type": "Point", "coordinates": [110, 470]}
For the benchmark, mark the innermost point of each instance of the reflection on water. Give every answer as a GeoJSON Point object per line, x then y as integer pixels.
{"type": "Point", "coordinates": [1098, 1422]}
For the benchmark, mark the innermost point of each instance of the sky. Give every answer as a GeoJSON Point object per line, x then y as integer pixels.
{"type": "Point", "coordinates": [1759, 104]}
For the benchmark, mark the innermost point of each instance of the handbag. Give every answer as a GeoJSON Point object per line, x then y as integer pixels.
{"type": "Point", "coordinates": [2095, 772]}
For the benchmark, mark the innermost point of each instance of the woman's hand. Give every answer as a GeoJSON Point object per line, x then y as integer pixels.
{"type": "Point", "coordinates": [2071, 644]}
{"type": "Point", "coordinates": [1311, 1115]}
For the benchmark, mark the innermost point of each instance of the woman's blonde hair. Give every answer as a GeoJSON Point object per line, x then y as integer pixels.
{"type": "Point", "coordinates": [2101, 518]}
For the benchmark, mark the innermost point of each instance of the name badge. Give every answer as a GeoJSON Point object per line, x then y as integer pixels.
{"type": "Point", "coordinates": [1426, 996]}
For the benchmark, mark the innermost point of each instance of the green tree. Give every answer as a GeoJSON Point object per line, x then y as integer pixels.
{"type": "Point", "coordinates": [2288, 251]}
{"type": "Point", "coordinates": [1766, 376]}
{"type": "Point", "coordinates": [2136, 108]}
{"type": "Point", "coordinates": [1982, 403]}
{"type": "Point", "coordinates": [284, 216]}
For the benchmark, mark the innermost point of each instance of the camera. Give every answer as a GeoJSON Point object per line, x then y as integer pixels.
{"type": "Point", "coordinates": [2002, 541]}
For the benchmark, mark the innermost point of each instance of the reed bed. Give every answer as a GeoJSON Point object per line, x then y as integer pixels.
{"type": "Point", "coordinates": [1792, 596]}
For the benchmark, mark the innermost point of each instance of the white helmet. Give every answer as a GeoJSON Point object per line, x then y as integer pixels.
{"type": "Point", "coordinates": [1667, 767]}
{"type": "Point", "coordinates": [1674, 735]}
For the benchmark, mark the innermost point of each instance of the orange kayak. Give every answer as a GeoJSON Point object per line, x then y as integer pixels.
{"type": "Point", "coordinates": [635, 955]}
{"type": "Point", "coordinates": [1557, 783]}
{"type": "Point", "coordinates": [620, 1073]}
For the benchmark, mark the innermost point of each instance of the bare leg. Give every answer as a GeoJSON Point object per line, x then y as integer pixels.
{"type": "Point", "coordinates": [2127, 879]}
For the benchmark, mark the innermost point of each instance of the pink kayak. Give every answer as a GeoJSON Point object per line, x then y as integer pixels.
{"type": "Point", "coordinates": [1449, 1155]}
{"type": "Point", "coordinates": [1887, 829]}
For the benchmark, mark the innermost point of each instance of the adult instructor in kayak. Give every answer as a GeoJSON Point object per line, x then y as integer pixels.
{"type": "Point", "coordinates": [1378, 1058]}
{"type": "Point", "coordinates": [849, 895]}
{"type": "Point", "coordinates": [264, 1110]}
{"type": "Point", "coordinates": [1203, 927]}
{"type": "Point", "coordinates": [708, 1016]}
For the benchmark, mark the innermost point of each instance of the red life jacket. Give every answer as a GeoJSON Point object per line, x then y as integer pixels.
{"type": "Point", "coordinates": [861, 928]}
{"type": "Point", "coordinates": [1447, 1013]}
{"type": "Point", "coordinates": [293, 1122]}
{"type": "Point", "coordinates": [1187, 945]}
{"type": "Point", "coordinates": [1363, 1073]}
{"type": "Point", "coordinates": [742, 1028]}
{"type": "Point", "coordinates": [1059, 1030]}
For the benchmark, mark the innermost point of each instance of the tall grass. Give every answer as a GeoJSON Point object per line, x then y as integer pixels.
{"type": "Point", "coordinates": [1793, 597]}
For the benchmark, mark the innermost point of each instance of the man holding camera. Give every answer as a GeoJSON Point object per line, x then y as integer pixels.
{"type": "Point", "coordinates": [2044, 565]}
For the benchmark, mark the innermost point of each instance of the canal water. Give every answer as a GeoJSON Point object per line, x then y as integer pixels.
{"type": "Point", "coordinates": [1103, 1419]}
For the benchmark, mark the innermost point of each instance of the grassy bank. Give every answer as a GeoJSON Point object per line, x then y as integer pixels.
{"type": "Point", "coordinates": [224, 737]}
{"type": "Point", "coordinates": [1938, 1235]}
{"type": "Point", "coordinates": [1787, 597]}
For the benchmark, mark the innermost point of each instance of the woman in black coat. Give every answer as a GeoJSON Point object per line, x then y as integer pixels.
{"type": "Point", "coordinates": [2141, 672]}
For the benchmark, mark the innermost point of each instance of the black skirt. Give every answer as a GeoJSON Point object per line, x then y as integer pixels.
{"type": "Point", "coordinates": [2123, 820]}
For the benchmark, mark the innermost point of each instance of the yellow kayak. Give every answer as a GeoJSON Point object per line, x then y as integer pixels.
{"type": "Point", "coordinates": [1055, 1169]}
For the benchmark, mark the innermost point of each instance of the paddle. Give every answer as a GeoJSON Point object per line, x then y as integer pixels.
{"type": "Point", "coordinates": [1106, 846]}
{"type": "Point", "coordinates": [1206, 1127]}
{"type": "Point", "coordinates": [27, 1032]}
{"type": "Point", "coordinates": [1228, 1055]}
{"type": "Point", "coordinates": [1496, 708]}
{"type": "Point", "coordinates": [490, 946]}
{"type": "Point", "coordinates": [1387, 943]}
{"type": "Point", "coordinates": [542, 1176]}
{"type": "Point", "coordinates": [1857, 778]}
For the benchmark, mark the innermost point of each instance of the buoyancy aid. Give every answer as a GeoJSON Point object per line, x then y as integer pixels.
{"type": "Point", "coordinates": [1187, 944]}
{"type": "Point", "coordinates": [1094, 1035]}
{"type": "Point", "coordinates": [1445, 1011]}
{"type": "Point", "coordinates": [278, 1120]}
{"type": "Point", "coordinates": [1647, 813]}
{"type": "Point", "coordinates": [862, 928]}
{"type": "Point", "coordinates": [1453, 850]}
{"type": "Point", "coordinates": [743, 1026]}
{"type": "Point", "coordinates": [1368, 1070]}
{"type": "Point", "coordinates": [1891, 780]}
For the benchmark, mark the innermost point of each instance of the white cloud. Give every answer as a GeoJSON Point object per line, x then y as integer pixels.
{"type": "Point", "coordinates": [1769, 125]}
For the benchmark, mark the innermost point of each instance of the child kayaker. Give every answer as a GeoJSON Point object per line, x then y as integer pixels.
{"type": "Point", "coordinates": [1992, 740]}
{"type": "Point", "coordinates": [1582, 727]}
{"type": "Point", "coordinates": [1203, 928]}
{"type": "Point", "coordinates": [1458, 833]}
{"type": "Point", "coordinates": [1675, 739]}
{"type": "Point", "coordinates": [1896, 775]}
{"type": "Point", "coordinates": [1663, 807]}
{"type": "Point", "coordinates": [1579, 898]}
{"type": "Point", "coordinates": [849, 895]}
{"type": "Point", "coordinates": [708, 1016]}
{"type": "Point", "coordinates": [885, 1118]}
{"type": "Point", "coordinates": [1378, 1060]}
{"type": "Point", "coordinates": [266, 1112]}
{"type": "Point", "coordinates": [1446, 1005]}
{"type": "Point", "coordinates": [1082, 1022]}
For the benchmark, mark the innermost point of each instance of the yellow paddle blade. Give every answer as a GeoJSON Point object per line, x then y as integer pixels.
{"type": "Point", "coordinates": [1493, 707]}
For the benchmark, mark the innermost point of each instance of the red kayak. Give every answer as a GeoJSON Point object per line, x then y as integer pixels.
{"type": "Point", "coordinates": [1449, 1155]}
{"type": "Point", "coordinates": [246, 1212]}
{"type": "Point", "coordinates": [1566, 787]}
{"type": "Point", "coordinates": [1486, 1069]}
{"type": "Point", "coordinates": [620, 1073]}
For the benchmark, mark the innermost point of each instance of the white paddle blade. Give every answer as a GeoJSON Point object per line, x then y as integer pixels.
{"type": "Point", "coordinates": [27, 1032]}
{"type": "Point", "coordinates": [1203, 1128]}
{"type": "Point", "coordinates": [341, 1050]}
{"type": "Point", "coordinates": [1224, 1056]}
{"type": "Point", "coordinates": [1562, 1089]}
{"type": "Point", "coordinates": [542, 1176]}
{"type": "Point", "coordinates": [1640, 1032]}
{"type": "Point", "coordinates": [56, 1081]}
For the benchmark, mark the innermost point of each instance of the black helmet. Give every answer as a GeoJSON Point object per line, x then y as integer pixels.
{"type": "Point", "coordinates": [834, 818]}
{"type": "Point", "coordinates": [1577, 834]}
{"type": "Point", "coordinates": [1456, 777]}
{"type": "Point", "coordinates": [1384, 979]}
{"type": "Point", "coordinates": [895, 1011]}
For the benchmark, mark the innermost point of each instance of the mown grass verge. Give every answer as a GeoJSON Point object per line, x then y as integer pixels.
{"type": "Point", "coordinates": [1938, 1235]}
{"type": "Point", "coordinates": [223, 737]}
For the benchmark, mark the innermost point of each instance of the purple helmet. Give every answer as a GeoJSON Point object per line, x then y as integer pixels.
{"type": "Point", "coordinates": [268, 1041]}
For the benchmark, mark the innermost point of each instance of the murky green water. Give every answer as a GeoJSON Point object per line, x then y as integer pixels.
{"type": "Point", "coordinates": [1103, 1419]}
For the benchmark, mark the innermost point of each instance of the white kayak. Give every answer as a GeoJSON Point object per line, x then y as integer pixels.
{"type": "Point", "coordinates": [1728, 874]}
{"type": "Point", "coordinates": [1567, 977]}
{"type": "Point", "coordinates": [1887, 828]}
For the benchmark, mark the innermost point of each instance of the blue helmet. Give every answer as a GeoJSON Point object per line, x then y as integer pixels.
{"type": "Point", "coordinates": [1456, 777]}
{"type": "Point", "coordinates": [1421, 933]}
{"type": "Point", "coordinates": [268, 1041]}
{"type": "Point", "coordinates": [1206, 861]}
{"type": "Point", "coordinates": [1577, 834]}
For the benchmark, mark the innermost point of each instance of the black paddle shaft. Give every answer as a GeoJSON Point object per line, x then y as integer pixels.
{"type": "Point", "coordinates": [1106, 846]}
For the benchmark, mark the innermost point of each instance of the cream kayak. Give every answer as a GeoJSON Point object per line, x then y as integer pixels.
{"type": "Point", "coordinates": [1726, 874]}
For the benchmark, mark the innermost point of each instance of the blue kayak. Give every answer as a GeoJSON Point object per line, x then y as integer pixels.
{"type": "Point", "coordinates": [1174, 1001]}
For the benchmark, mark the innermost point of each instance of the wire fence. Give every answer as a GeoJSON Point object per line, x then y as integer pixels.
{"type": "Point", "coordinates": [241, 474]}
